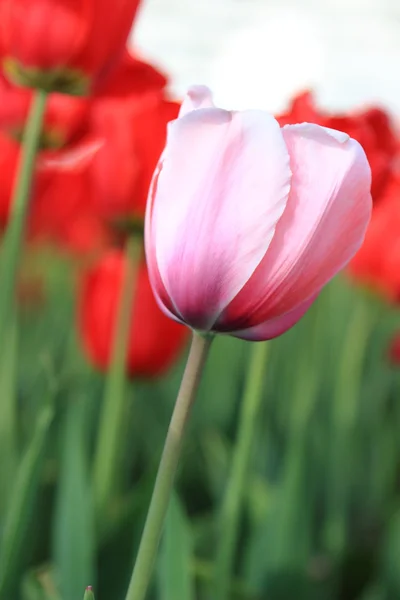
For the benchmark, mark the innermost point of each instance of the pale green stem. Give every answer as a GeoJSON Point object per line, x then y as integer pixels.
{"type": "Point", "coordinates": [113, 415]}
{"type": "Point", "coordinates": [232, 503]}
{"type": "Point", "coordinates": [143, 568]}
{"type": "Point", "coordinates": [14, 234]}
{"type": "Point", "coordinates": [345, 411]}
{"type": "Point", "coordinates": [9, 450]}
{"type": "Point", "coordinates": [23, 496]}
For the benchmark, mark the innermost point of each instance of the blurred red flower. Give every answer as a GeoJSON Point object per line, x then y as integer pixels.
{"type": "Point", "coordinates": [372, 127]}
{"type": "Point", "coordinates": [63, 45]}
{"type": "Point", "coordinates": [62, 208]}
{"type": "Point", "coordinates": [377, 263]}
{"type": "Point", "coordinates": [65, 117]}
{"type": "Point", "coordinates": [134, 131]}
{"type": "Point", "coordinates": [155, 341]}
{"type": "Point", "coordinates": [9, 154]}
{"type": "Point", "coordinates": [96, 159]}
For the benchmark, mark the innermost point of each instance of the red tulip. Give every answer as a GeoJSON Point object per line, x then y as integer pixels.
{"type": "Point", "coordinates": [96, 155]}
{"type": "Point", "coordinates": [63, 45]}
{"type": "Point", "coordinates": [61, 193]}
{"type": "Point", "coordinates": [65, 117]}
{"type": "Point", "coordinates": [62, 209]}
{"type": "Point", "coordinates": [154, 340]}
{"type": "Point", "coordinates": [131, 115]}
{"type": "Point", "coordinates": [377, 264]}
{"type": "Point", "coordinates": [131, 77]}
{"type": "Point", "coordinates": [302, 109]}
{"type": "Point", "coordinates": [9, 153]}
{"type": "Point", "coordinates": [134, 130]}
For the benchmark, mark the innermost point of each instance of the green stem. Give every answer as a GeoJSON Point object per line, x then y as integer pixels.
{"type": "Point", "coordinates": [166, 472]}
{"type": "Point", "coordinates": [13, 236]}
{"type": "Point", "coordinates": [293, 512]}
{"type": "Point", "coordinates": [9, 450]}
{"type": "Point", "coordinates": [344, 415]}
{"type": "Point", "coordinates": [23, 496]}
{"type": "Point", "coordinates": [110, 434]}
{"type": "Point", "coordinates": [232, 502]}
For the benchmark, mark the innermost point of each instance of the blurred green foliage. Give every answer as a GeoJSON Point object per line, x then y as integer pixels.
{"type": "Point", "coordinates": [321, 517]}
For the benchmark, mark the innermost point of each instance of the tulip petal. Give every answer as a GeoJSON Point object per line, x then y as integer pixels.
{"type": "Point", "coordinates": [198, 96]}
{"type": "Point", "coordinates": [160, 293]}
{"type": "Point", "coordinates": [277, 326]}
{"type": "Point", "coordinates": [223, 185]}
{"type": "Point", "coordinates": [321, 229]}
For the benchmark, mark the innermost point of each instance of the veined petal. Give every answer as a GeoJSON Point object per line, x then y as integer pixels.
{"type": "Point", "coordinates": [321, 229]}
{"type": "Point", "coordinates": [160, 293]}
{"type": "Point", "coordinates": [223, 186]}
{"type": "Point", "coordinates": [276, 326]}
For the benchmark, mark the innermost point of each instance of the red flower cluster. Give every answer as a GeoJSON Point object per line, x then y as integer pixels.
{"type": "Point", "coordinates": [97, 155]}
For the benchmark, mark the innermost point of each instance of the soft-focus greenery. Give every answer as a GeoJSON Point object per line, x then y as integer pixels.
{"type": "Point", "coordinates": [321, 516]}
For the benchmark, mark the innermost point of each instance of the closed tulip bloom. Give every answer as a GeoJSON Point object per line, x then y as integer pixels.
{"type": "Point", "coordinates": [247, 221]}
{"type": "Point", "coordinates": [63, 45]}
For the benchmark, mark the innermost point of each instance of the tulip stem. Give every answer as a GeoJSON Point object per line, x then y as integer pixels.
{"type": "Point", "coordinates": [344, 419]}
{"type": "Point", "coordinates": [13, 237]}
{"type": "Point", "coordinates": [166, 472]}
{"type": "Point", "coordinates": [233, 497]}
{"type": "Point", "coordinates": [106, 467]}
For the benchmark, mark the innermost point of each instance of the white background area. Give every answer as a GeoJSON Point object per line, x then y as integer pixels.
{"type": "Point", "coordinates": [258, 53]}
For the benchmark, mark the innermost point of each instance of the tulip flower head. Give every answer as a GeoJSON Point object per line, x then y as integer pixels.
{"type": "Point", "coordinates": [247, 221]}
{"type": "Point", "coordinates": [63, 45]}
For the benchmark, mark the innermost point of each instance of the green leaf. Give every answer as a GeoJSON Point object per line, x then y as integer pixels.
{"type": "Point", "coordinates": [21, 505]}
{"type": "Point", "coordinates": [174, 575]}
{"type": "Point", "coordinates": [8, 413]}
{"type": "Point", "coordinates": [73, 542]}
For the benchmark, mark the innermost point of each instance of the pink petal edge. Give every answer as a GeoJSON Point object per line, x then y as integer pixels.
{"type": "Point", "coordinates": [277, 326]}
{"type": "Point", "coordinates": [222, 188]}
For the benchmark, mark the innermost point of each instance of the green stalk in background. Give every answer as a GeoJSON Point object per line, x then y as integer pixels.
{"type": "Point", "coordinates": [143, 568]}
{"type": "Point", "coordinates": [9, 447]}
{"type": "Point", "coordinates": [112, 419]}
{"type": "Point", "coordinates": [22, 501]}
{"type": "Point", "coordinates": [290, 547]}
{"type": "Point", "coordinates": [14, 234]}
{"type": "Point", "coordinates": [228, 532]}
{"type": "Point", "coordinates": [346, 397]}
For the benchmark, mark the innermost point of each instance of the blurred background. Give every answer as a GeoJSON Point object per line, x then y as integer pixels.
{"type": "Point", "coordinates": [320, 514]}
{"type": "Point", "coordinates": [259, 53]}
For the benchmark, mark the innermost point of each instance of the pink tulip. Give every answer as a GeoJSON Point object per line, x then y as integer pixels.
{"type": "Point", "coordinates": [247, 221]}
